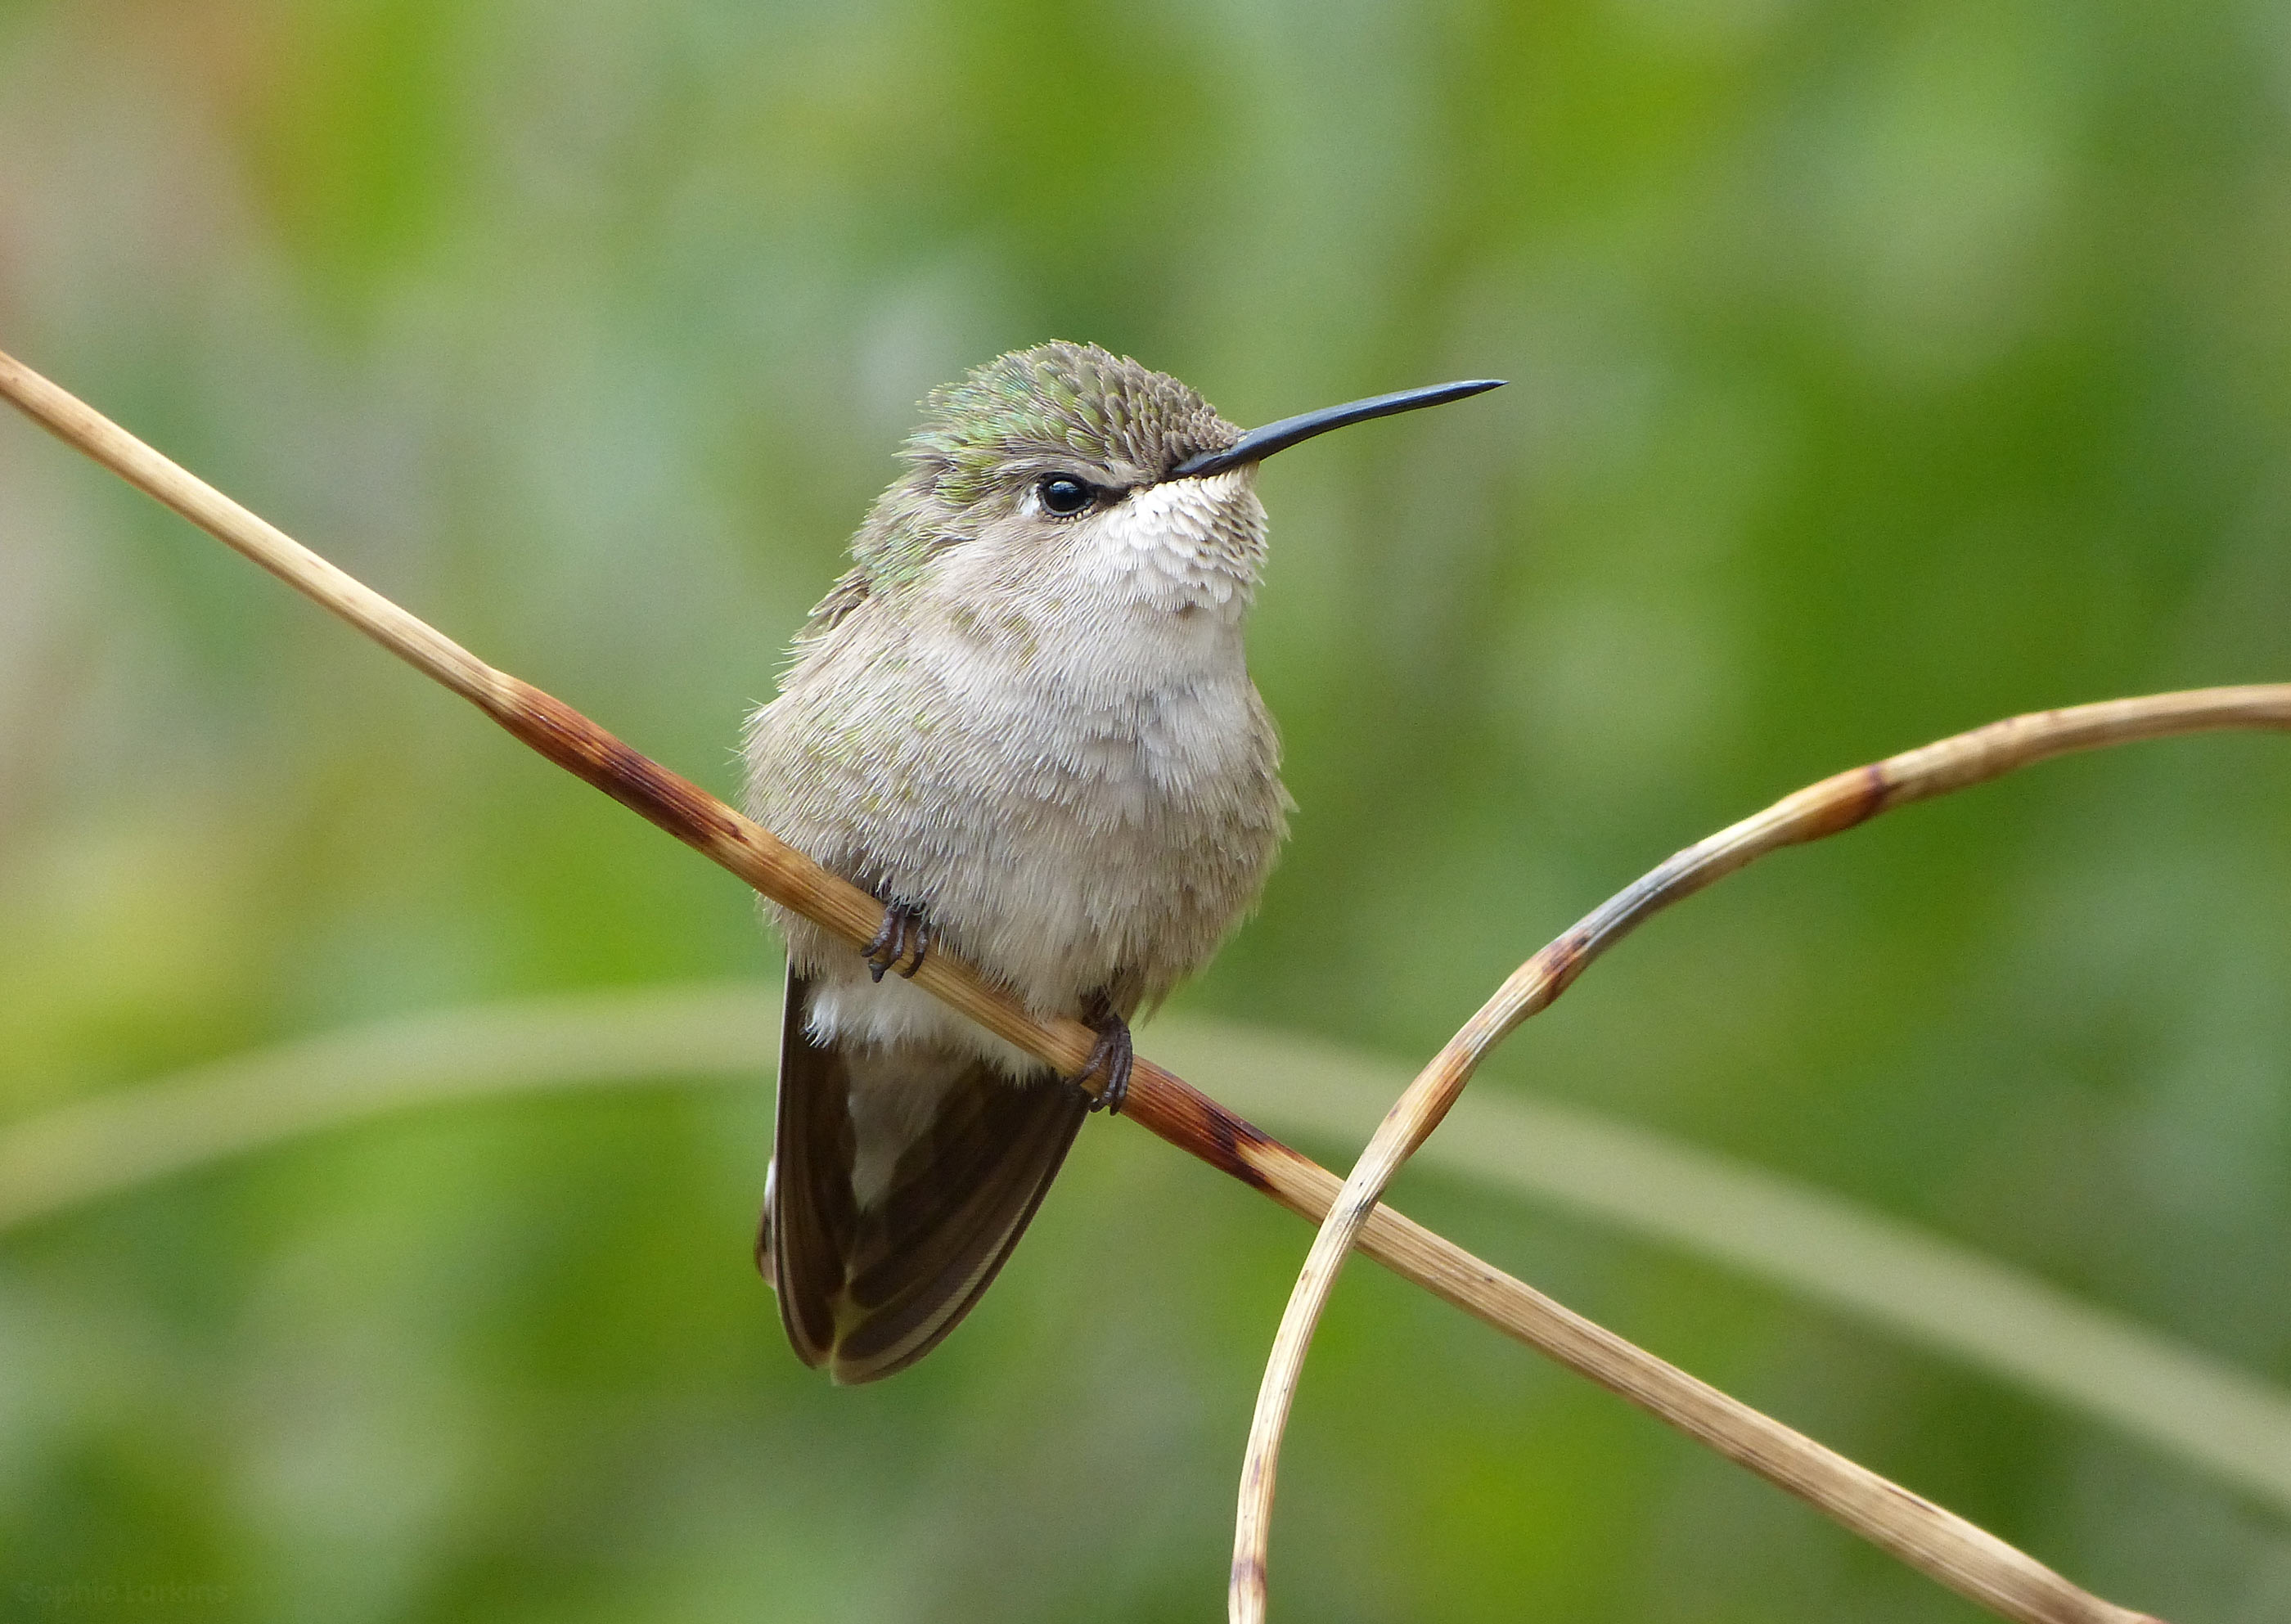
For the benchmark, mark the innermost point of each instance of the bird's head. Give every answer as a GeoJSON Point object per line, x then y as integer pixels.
{"type": "Point", "coordinates": [1066, 464]}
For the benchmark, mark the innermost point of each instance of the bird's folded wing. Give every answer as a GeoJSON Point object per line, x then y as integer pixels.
{"type": "Point", "coordinates": [870, 1282]}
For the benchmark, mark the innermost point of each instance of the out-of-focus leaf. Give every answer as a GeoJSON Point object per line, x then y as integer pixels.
{"type": "Point", "coordinates": [1832, 1253]}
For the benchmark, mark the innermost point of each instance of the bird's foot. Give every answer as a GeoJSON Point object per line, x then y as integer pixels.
{"type": "Point", "coordinates": [906, 935]}
{"type": "Point", "coordinates": [1109, 1060]}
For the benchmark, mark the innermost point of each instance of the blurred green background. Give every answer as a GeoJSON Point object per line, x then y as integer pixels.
{"type": "Point", "coordinates": [1877, 371]}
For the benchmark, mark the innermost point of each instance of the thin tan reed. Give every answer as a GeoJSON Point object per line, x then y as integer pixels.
{"type": "Point", "coordinates": [2013, 1587]}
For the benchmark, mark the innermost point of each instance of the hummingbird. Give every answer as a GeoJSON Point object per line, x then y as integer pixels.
{"type": "Point", "coordinates": [1024, 721]}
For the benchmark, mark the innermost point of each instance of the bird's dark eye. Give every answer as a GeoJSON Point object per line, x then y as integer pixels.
{"type": "Point", "coordinates": [1063, 496]}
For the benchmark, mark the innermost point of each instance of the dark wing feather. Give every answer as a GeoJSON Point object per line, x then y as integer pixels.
{"type": "Point", "coordinates": [866, 1291]}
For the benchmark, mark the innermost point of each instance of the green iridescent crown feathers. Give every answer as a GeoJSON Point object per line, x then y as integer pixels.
{"type": "Point", "coordinates": [1056, 400]}
{"type": "Point", "coordinates": [1060, 397]}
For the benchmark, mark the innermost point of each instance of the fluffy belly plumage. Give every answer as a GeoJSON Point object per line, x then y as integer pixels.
{"type": "Point", "coordinates": [1103, 850]}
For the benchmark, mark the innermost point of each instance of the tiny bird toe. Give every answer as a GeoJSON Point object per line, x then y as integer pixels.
{"type": "Point", "coordinates": [903, 934]}
{"type": "Point", "coordinates": [1111, 1059]}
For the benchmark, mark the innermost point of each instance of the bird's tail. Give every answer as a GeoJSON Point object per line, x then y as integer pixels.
{"type": "Point", "coordinates": [901, 1179]}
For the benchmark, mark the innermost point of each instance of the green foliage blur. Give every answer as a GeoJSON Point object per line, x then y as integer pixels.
{"type": "Point", "coordinates": [1876, 371]}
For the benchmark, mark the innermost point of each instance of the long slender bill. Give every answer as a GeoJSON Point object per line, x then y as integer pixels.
{"type": "Point", "coordinates": [1259, 444]}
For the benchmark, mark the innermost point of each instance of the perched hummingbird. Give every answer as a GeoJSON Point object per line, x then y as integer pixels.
{"type": "Point", "coordinates": [1024, 720]}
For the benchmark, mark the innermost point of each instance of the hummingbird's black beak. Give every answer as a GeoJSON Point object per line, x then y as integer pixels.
{"type": "Point", "coordinates": [1259, 444]}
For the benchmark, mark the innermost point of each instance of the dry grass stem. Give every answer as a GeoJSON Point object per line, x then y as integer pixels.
{"type": "Point", "coordinates": [1830, 808]}
{"type": "Point", "coordinates": [1940, 1544]}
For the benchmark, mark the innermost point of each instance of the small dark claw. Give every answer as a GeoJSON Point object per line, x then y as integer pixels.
{"type": "Point", "coordinates": [904, 934]}
{"type": "Point", "coordinates": [878, 952]}
{"type": "Point", "coordinates": [1110, 1058]}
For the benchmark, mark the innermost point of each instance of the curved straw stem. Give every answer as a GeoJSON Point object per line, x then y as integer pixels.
{"type": "Point", "coordinates": [1937, 1542]}
{"type": "Point", "coordinates": [1828, 807]}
